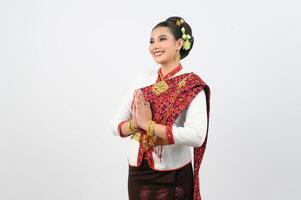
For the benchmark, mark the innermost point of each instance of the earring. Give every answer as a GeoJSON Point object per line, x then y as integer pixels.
{"type": "Point", "coordinates": [178, 56]}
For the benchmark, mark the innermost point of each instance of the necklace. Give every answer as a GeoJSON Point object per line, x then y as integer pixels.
{"type": "Point", "coordinates": [161, 85]}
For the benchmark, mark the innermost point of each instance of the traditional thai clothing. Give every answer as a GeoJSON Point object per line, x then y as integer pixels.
{"type": "Point", "coordinates": [164, 171]}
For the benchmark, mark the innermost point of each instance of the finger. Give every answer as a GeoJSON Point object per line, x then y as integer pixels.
{"type": "Point", "coordinates": [134, 114]}
{"type": "Point", "coordinates": [146, 106]}
{"type": "Point", "coordinates": [137, 104]}
{"type": "Point", "coordinates": [136, 93]}
{"type": "Point", "coordinates": [133, 102]}
{"type": "Point", "coordinates": [136, 98]}
{"type": "Point", "coordinates": [136, 110]}
{"type": "Point", "coordinates": [141, 98]}
{"type": "Point", "coordinates": [134, 107]}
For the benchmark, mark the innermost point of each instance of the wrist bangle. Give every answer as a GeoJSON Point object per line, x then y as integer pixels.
{"type": "Point", "coordinates": [131, 127]}
{"type": "Point", "coordinates": [150, 128]}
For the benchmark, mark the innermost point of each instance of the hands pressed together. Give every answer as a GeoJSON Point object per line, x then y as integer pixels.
{"type": "Point", "coordinates": [141, 111]}
{"type": "Point", "coordinates": [141, 118]}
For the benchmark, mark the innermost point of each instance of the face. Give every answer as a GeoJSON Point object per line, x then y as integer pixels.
{"type": "Point", "coordinates": [163, 45]}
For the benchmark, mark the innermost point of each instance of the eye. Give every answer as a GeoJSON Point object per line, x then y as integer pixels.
{"type": "Point", "coordinates": [161, 39]}
{"type": "Point", "coordinates": [151, 42]}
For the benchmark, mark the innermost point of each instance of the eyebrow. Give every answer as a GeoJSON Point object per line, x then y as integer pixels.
{"type": "Point", "coordinates": [159, 36]}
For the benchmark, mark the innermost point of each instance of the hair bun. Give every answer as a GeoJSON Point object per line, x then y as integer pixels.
{"type": "Point", "coordinates": [186, 34]}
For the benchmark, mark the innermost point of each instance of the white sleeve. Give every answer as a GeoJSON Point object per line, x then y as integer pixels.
{"type": "Point", "coordinates": [123, 111]}
{"type": "Point", "coordinates": [193, 132]}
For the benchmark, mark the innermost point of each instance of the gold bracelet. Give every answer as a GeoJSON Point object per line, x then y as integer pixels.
{"type": "Point", "coordinates": [150, 128]}
{"type": "Point", "coordinates": [131, 127]}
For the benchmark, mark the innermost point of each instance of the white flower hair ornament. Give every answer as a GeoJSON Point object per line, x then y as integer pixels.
{"type": "Point", "coordinates": [186, 38]}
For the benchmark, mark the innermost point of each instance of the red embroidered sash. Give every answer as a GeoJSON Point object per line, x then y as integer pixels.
{"type": "Point", "coordinates": [160, 105]}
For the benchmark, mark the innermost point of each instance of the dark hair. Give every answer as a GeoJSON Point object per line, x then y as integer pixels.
{"type": "Point", "coordinates": [176, 31]}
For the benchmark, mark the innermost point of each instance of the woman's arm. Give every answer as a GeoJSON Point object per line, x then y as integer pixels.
{"type": "Point", "coordinates": [121, 117]}
{"type": "Point", "coordinates": [120, 120]}
{"type": "Point", "coordinates": [195, 126]}
{"type": "Point", "coordinates": [193, 132]}
{"type": "Point", "coordinates": [123, 128]}
{"type": "Point", "coordinates": [126, 127]}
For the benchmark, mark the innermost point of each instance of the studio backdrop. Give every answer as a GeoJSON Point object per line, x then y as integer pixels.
{"type": "Point", "coordinates": [64, 69]}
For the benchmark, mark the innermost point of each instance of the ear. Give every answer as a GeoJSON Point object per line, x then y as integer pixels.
{"type": "Point", "coordinates": [179, 43]}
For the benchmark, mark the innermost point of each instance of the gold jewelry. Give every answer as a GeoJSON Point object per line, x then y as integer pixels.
{"type": "Point", "coordinates": [131, 127]}
{"type": "Point", "coordinates": [137, 136]}
{"type": "Point", "coordinates": [148, 140]}
{"type": "Point", "coordinates": [180, 22]}
{"type": "Point", "coordinates": [178, 56]}
{"type": "Point", "coordinates": [150, 128]}
{"type": "Point", "coordinates": [160, 87]}
{"type": "Point", "coordinates": [144, 139]}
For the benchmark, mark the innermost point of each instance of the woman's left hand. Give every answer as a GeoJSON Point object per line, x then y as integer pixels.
{"type": "Point", "coordinates": [143, 111]}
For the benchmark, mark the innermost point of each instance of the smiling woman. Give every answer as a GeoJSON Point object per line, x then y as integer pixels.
{"type": "Point", "coordinates": [169, 31]}
{"type": "Point", "coordinates": [165, 113]}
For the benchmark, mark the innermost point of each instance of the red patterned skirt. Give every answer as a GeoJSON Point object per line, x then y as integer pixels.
{"type": "Point", "coordinates": [145, 183]}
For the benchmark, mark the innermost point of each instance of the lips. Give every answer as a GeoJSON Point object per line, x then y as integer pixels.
{"type": "Point", "coordinates": [158, 53]}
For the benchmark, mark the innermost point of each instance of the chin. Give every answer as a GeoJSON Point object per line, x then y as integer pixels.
{"type": "Point", "coordinates": [160, 60]}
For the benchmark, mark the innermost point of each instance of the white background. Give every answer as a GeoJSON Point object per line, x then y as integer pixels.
{"type": "Point", "coordinates": [64, 66]}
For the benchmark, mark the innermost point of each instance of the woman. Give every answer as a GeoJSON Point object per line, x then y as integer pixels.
{"type": "Point", "coordinates": [165, 113]}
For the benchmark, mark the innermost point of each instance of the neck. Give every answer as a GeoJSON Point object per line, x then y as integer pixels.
{"type": "Point", "coordinates": [169, 66]}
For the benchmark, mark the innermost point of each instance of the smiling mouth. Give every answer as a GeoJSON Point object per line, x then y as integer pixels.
{"type": "Point", "coordinates": [158, 53]}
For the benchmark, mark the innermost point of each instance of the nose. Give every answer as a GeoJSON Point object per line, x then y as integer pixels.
{"type": "Point", "coordinates": [154, 46]}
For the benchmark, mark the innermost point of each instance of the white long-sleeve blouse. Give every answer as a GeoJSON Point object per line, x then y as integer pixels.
{"type": "Point", "coordinates": [189, 129]}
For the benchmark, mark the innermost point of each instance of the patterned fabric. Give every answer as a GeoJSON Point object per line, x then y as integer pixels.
{"type": "Point", "coordinates": [169, 74]}
{"type": "Point", "coordinates": [159, 106]}
{"type": "Point", "coordinates": [199, 152]}
{"type": "Point", "coordinates": [169, 135]}
{"type": "Point", "coordinates": [144, 183]}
